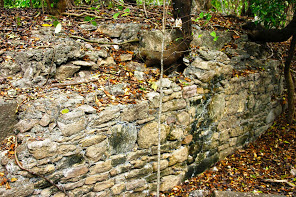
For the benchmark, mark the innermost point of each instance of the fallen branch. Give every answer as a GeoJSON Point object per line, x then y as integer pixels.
{"type": "Point", "coordinates": [83, 14]}
{"type": "Point", "coordinates": [106, 43]}
{"type": "Point", "coordinates": [35, 174]}
{"type": "Point", "coordinates": [279, 181]}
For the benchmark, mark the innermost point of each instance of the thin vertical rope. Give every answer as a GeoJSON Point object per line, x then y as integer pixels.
{"type": "Point", "coordinates": [160, 98]}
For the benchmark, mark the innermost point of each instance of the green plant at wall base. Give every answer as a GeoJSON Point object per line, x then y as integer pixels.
{"type": "Point", "coordinates": [91, 20]}
{"type": "Point", "coordinates": [126, 12]}
{"type": "Point", "coordinates": [214, 35]}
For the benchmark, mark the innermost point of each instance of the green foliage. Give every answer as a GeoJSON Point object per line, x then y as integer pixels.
{"type": "Point", "coordinates": [125, 12]}
{"type": "Point", "coordinates": [203, 15]}
{"type": "Point", "coordinates": [91, 20]}
{"type": "Point", "coordinates": [271, 13]}
{"type": "Point", "coordinates": [21, 3]}
{"type": "Point", "coordinates": [214, 35]}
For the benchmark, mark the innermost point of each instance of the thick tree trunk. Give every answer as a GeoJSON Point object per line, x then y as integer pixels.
{"type": "Point", "coordinates": [259, 33]}
{"type": "Point", "coordinates": [289, 80]}
{"type": "Point", "coordinates": [182, 10]}
{"type": "Point", "coordinates": [176, 50]}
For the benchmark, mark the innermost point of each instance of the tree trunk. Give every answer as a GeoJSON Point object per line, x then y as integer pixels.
{"type": "Point", "coordinates": [176, 50]}
{"type": "Point", "coordinates": [289, 80]}
{"type": "Point", "coordinates": [259, 33]}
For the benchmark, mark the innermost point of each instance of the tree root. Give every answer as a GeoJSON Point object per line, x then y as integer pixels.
{"type": "Point", "coordinates": [279, 181]}
{"type": "Point", "coordinates": [35, 174]}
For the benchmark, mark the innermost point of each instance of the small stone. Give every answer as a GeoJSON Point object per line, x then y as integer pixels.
{"type": "Point", "coordinates": [45, 120]}
{"type": "Point", "coordinates": [125, 57]}
{"type": "Point", "coordinates": [147, 136]}
{"type": "Point", "coordinates": [174, 105]}
{"type": "Point", "coordinates": [135, 112]}
{"type": "Point", "coordinates": [183, 118]}
{"type": "Point", "coordinates": [87, 109]}
{"type": "Point", "coordinates": [118, 188]}
{"type": "Point", "coordinates": [66, 71]}
{"type": "Point", "coordinates": [67, 149]}
{"type": "Point", "coordinates": [75, 172]}
{"type": "Point", "coordinates": [163, 165]}
{"type": "Point", "coordinates": [70, 186]}
{"type": "Point", "coordinates": [135, 184]}
{"type": "Point", "coordinates": [42, 149]}
{"type": "Point", "coordinates": [139, 75]}
{"type": "Point", "coordinates": [46, 192]}
{"type": "Point", "coordinates": [109, 61]}
{"type": "Point", "coordinates": [72, 115]}
{"type": "Point", "coordinates": [189, 91]}
{"type": "Point", "coordinates": [26, 125]}
{"type": "Point", "coordinates": [176, 134]}
{"type": "Point", "coordinates": [106, 115]}
{"type": "Point", "coordinates": [82, 63]}
{"type": "Point", "coordinates": [179, 155]}
{"type": "Point", "coordinates": [92, 140]}
{"type": "Point", "coordinates": [168, 182]}
{"type": "Point", "coordinates": [44, 169]}
{"type": "Point", "coordinates": [97, 151]}
{"type": "Point", "coordinates": [73, 128]}
{"type": "Point", "coordinates": [103, 185]}
{"type": "Point", "coordinates": [96, 178]}
{"type": "Point", "coordinates": [102, 166]}
{"type": "Point", "coordinates": [187, 139]}
{"type": "Point", "coordinates": [166, 83]}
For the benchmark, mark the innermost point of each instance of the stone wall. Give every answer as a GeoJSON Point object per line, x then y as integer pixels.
{"type": "Point", "coordinates": [114, 152]}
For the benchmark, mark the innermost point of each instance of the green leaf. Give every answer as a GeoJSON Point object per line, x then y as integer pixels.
{"type": "Point", "coordinates": [64, 111]}
{"type": "Point", "coordinates": [125, 14]}
{"type": "Point", "coordinates": [127, 10]}
{"type": "Point", "coordinates": [55, 23]}
{"type": "Point", "coordinates": [181, 38]}
{"type": "Point", "coordinates": [253, 176]}
{"type": "Point", "coordinates": [201, 15]}
{"type": "Point", "coordinates": [209, 16]}
{"type": "Point", "coordinates": [200, 35]}
{"type": "Point", "coordinates": [213, 33]}
{"type": "Point", "coordinates": [120, 7]}
{"type": "Point", "coordinates": [216, 38]}
{"type": "Point", "coordinates": [94, 23]}
{"type": "Point", "coordinates": [87, 18]}
{"type": "Point", "coordinates": [58, 28]}
{"type": "Point", "coordinates": [115, 16]}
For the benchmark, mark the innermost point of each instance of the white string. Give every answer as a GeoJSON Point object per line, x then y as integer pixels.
{"type": "Point", "coordinates": [160, 98]}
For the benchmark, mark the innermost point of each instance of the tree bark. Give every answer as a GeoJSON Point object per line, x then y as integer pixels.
{"type": "Point", "coordinates": [259, 33]}
{"type": "Point", "coordinates": [175, 51]}
{"type": "Point", "coordinates": [289, 81]}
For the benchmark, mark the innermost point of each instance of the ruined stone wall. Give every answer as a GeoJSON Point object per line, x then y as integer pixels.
{"type": "Point", "coordinates": [114, 152]}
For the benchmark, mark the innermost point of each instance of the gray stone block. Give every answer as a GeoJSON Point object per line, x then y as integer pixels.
{"type": "Point", "coordinates": [8, 118]}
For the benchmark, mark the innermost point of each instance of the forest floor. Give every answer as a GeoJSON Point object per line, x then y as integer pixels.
{"type": "Point", "coordinates": [267, 165]}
